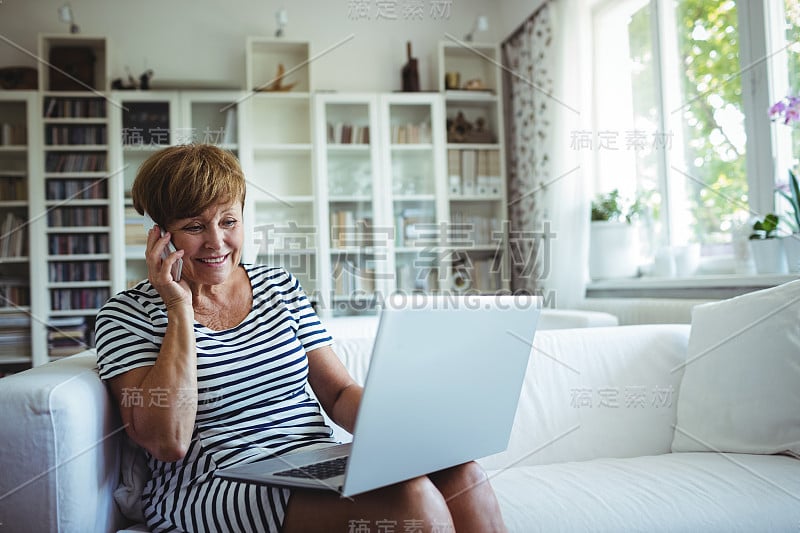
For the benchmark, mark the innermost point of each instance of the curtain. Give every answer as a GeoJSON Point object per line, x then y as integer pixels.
{"type": "Point", "coordinates": [548, 205]}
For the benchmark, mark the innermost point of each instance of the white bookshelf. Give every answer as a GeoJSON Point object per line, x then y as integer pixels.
{"type": "Point", "coordinates": [476, 167]}
{"type": "Point", "coordinates": [21, 335]}
{"type": "Point", "coordinates": [356, 228]}
{"type": "Point", "coordinates": [413, 168]}
{"type": "Point", "coordinates": [72, 195]}
{"type": "Point", "coordinates": [278, 159]}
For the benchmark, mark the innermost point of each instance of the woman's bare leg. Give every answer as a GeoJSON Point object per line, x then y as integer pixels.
{"type": "Point", "coordinates": [414, 505]}
{"type": "Point", "coordinates": [470, 498]}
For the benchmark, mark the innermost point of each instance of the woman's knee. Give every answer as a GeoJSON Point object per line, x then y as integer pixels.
{"type": "Point", "coordinates": [461, 480]}
{"type": "Point", "coordinates": [422, 501]}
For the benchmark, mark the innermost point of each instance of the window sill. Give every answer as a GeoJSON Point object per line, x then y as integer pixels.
{"type": "Point", "coordinates": [715, 286]}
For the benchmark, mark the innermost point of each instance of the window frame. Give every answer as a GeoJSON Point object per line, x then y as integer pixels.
{"type": "Point", "coordinates": [764, 80]}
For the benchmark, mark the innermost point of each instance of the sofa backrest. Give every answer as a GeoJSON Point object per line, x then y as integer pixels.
{"type": "Point", "coordinates": [59, 460]}
{"type": "Point", "coordinates": [592, 392]}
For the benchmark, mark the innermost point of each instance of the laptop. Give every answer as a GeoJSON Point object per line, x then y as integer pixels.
{"type": "Point", "coordinates": [442, 389]}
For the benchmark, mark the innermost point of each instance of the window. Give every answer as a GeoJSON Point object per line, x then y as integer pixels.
{"type": "Point", "coordinates": [786, 74]}
{"type": "Point", "coordinates": [668, 84]}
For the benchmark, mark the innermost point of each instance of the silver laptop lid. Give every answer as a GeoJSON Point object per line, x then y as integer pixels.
{"type": "Point", "coordinates": [442, 387]}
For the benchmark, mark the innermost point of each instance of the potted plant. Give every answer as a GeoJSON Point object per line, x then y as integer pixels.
{"type": "Point", "coordinates": [766, 248]}
{"type": "Point", "coordinates": [791, 243]}
{"type": "Point", "coordinates": [787, 110]}
{"type": "Point", "coordinates": [613, 246]}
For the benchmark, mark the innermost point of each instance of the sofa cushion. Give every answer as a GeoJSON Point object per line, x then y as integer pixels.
{"type": "Point", "coordinates": [597, 392]}
{"type": "Point", "coordinates": [741, 385]}
{"type": "Point", "coordinates": [671, 492]}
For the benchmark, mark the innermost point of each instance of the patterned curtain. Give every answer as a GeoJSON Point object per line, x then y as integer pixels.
{"type": "Point", "coordinates": [527, 57]}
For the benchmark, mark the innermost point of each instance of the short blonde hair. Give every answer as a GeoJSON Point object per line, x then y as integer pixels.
{"type": "Point", "coordinates": [183, 181]}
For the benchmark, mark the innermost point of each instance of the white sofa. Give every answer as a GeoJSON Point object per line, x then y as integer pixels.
{"type": "Point", "coordinates": [590, 449]}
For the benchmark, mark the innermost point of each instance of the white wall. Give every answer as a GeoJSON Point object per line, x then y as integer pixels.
{"type": "Point", "coordinates": [205, 39]}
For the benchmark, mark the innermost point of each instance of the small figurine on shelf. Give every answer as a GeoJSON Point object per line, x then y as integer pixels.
{"type": "Point", "coordinates": [277, 84]}
{"type": "Point", "coordinates": [119, 85]}
{"type": "Point", "coordinates": [410, 73]}
{"type": "Point", "coordinates": [144, 79]}
{"type": "Point", "coordinates": [475, 84]}
{"type": "Point", "coordinates": [458, 128]}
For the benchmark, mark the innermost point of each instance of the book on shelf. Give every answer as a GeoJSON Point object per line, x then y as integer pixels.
{"type": "Point", "coordinates": [411, 133]}
{"type": "Point", "coordinates": [78, 216]}
{"type": "Point", "coordinates": [86, 107]}
{"type": "Point", "coordinates": [13, 241]}
{"type": "Point", "coordinates": [15, 321]}
{"type": "Point", "coordinates": [78, 299]}
{"type": "Point", "coordinates": [13, 186]}
{"type": "Point", "coordinates": [77, 188]}
{"type": "Point", "coordinates": [135, 234]}
{"type": "Point", "coordinates": [75, 162]}
{"type": "Point", "coordinates": [67, 335]}
{"type": "Point", "coordinates": [469, 172]}
{"type": "Point", "coordinates": [350, 280]}
{"type": "Point", "coordinates": [454, 172]}
{"type": "Point", "coordinates": [67, 135]}
{"type": "Point", "coordinates": [14, 293]}
{"type": "Point", "coordinates": [78, 244]}
{"type": "Point", "coordinates": [13, 134]}
{"type": "Point", "coordinates": [346, 133]}
{"type": "Point", "coordinates": [70, 271]}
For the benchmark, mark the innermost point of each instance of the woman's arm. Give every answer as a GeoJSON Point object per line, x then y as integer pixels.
{"type": "Point", "coordinates": [336, 391]}
{"type": "Point", "coordinates": [158, 404]}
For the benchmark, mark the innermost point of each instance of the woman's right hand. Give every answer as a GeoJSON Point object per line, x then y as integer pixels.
{"type": "Point", "coordinates": [159, 271]}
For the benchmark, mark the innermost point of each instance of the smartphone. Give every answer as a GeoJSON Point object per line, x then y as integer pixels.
{"type": "Point", "coordinates": [177, 267]}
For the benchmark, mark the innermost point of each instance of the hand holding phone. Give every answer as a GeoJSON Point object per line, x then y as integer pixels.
{"type": "Point", "coordinates": [177, 266]}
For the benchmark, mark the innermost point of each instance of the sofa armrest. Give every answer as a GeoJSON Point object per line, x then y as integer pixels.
{"type": "Point", "coordinates": [60, 459]}
{"type": "Point", "coordinates": [597, 392]}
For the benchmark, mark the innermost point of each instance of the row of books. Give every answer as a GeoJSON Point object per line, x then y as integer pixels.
{"type": "Point", "coordinates": [475, 229]}
{"type": "Point", "coordinates": [15, 338]}
{"type": "Point", "coordinates": [80, 189]}
{"type": "Point", "coordinates": [411, 133]}
{"type": "Point", "coordinates": [13, 134]}
{"type": "Point", "coordinates": [474, 172]}
{"type": "Point", "coordinates": [348, 229]}
{"type": "Point", "coordinates": [14, 293]}
{"type": "Point", "coordinates": [73, 162]}
{"type": "Point", "coordinates": [74, 107]}
{"type": "Point", "coordinates": [70, 299]}
{"type": "Point", "coordinates": [78, 270]}
{"type": "Point", "coordinates": [345, 133]}
{"type": "Point", "coordinates": [77, 217]}
{"type": "Point", "coordinates": [69, 135]}
{"type": "Point", "coordinates": [78, 243]}
{"type": "Point", "coordinates": [14, 343]}
{"type": "Point", "coordinates": [13, 187]}
{"type": "Point", "coordinates": [68, 335]}
{"type": "Point", "coordinates": [13, 233]}
{"type": "Point", "coordinates": [350, 279]}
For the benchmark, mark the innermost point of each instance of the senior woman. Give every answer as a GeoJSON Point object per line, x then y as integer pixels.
{"type": "Point", "coordinates": [211, 370]}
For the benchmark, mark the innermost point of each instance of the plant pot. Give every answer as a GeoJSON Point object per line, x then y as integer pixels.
{"type": "Point", "coordinates": [613, 250]}
{"type": "Point", "coordinates": [769, 256]}
{"type": "Point", "coordinates": [791, 245]}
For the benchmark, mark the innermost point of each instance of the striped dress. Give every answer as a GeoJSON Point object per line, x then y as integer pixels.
{"type": "Point", "coordinates": [252, 401]}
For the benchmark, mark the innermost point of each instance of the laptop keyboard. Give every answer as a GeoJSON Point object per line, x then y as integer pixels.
{"type": "Point", "coordinates": [322, 470]}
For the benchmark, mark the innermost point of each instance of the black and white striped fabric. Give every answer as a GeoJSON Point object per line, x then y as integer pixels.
{"type": "Point", "coordinates": [252, 400]}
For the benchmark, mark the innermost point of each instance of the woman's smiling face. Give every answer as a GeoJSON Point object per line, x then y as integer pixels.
{"type": "Point", "coordinates": [212, 242]}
